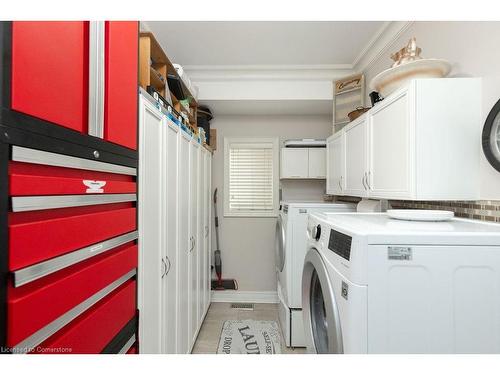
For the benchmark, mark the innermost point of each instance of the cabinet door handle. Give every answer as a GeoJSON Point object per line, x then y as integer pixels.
{"type": "Point", "coordinates": [364, 181]}
{"type": "Point", "coordinates": [164, 268]}
{"type": "Point", "coordinates": [206, 231]}
{"type": "Point", "coordinates": [340, 183]}
{"type": "Point", "coordinates": [169, 265]}
{"type": "Point", "coordinates": [368, 178]}
{"type": "Point", "coordinates": [193, 244]}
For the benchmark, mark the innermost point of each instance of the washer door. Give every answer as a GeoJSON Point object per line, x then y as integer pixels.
{"type": "Point", "coordinates": [279, 244]}
{"type": "Point", "coordinates": [319, 306]}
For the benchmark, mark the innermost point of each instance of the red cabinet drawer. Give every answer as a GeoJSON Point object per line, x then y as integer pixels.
{"type": "Point", "coordinates": [32, 306]}
{"type": "Point", "coordinates": [36, 236]}
{"type": "Point", "coordinates": [50, 71]}
{"type": "Point", "coordinates": [93, 330]}
{"type": "Point", "coordinates": [132, 350]}
{"type": "Point", "coordinates": [120, 105]}
{"type": "Point", "coordinates": [35, 179]}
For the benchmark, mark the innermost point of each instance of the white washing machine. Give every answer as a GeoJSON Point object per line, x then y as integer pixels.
{"type": "Point", "coordinates": [372, 284]}
{"type": "Point", "coordinates": [291, 248]}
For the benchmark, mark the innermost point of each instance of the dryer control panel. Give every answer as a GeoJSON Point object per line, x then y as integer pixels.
{"type": "Point", "coordinates": [340, 244]}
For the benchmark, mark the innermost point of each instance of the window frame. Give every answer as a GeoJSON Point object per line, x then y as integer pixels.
{"type": "Point", "coordinates": [228, 141]}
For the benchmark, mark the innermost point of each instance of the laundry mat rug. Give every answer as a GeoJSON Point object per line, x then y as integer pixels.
{"type": "Point", "coordinates": [249, 337]}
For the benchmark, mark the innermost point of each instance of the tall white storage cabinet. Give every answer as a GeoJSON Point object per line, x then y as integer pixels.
{"type": "Point", "coordinates": [202, 231]}
{"type": "Point", "coordinates": [171, 228]}
{"type": "Point", "coordinates": [151, 199]}
{"type": "Point", "coordinates": [174, 233]}
{"type": "Point", "coordinates": [207, 275]}
{"type": "Point", "coordinates": [193, 294]}
{"type": "Point", "coordinates": [183, 342]}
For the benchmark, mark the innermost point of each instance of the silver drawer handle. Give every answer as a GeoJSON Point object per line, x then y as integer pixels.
{"type": "Point", "coordinates": [41, 202]}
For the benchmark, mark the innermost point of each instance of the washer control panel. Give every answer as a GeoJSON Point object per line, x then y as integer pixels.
{"type": "Point", "coordinates": [340, 244]}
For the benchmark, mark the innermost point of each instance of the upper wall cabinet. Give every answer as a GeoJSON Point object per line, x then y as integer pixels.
{"type": "Point", "coordinates": [421, 143]}
{"type": "Point", "coordinates": [78, 75]}
{"type": "Point", "coordinates": [356, 153]}
{"type": "Point", "coordinates": [303, 163]}
{"type": "Point", "coordinates": [335, 163]}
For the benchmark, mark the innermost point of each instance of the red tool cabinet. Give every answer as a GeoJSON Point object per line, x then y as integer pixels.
{"type": "Point", "coordinates": [68, 205]}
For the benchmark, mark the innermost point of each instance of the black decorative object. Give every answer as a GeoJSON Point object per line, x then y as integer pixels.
{"type": "Point", "coordinates": [491, 137]}
{"type": "Point", "coordinates": [375, 97]}
{"type": "Point", "coordinates": [204, 117]}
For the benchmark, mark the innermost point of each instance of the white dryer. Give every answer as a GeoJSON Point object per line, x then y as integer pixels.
{"type": "Point", "coordinates": [372, 284]}
{"type": "Point", "coordinates": [291, 248]}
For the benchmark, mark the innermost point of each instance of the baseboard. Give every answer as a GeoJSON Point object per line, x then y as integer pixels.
{"type": "Point", "coordinates": [244, 296]}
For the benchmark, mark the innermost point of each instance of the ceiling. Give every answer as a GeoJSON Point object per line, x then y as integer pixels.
{"type": "Point", "coordinates": [264, 43]}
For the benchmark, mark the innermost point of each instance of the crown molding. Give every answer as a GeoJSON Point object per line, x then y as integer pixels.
{"type": "Point", "coordinates": [379, 44]}
{"type": "Point", "coordinates": [318, 72]}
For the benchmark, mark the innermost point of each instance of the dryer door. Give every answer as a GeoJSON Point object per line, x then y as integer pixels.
{"type": "Point", "coordinates": [319, 306]}
{"type": "Point", "coordinates": [279, 243]}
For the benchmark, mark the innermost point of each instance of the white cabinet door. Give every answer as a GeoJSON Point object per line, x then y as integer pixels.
{"type": "Point", "coordinates": [193, 246]}
{"type": "Point", "coordinates": [151, 200]}
{"type": "Point", "coordinates": [170, 226]}
{"type": "Point", "coordinates": [317, 163]}
{"type": "Point", "coordinates": [294, 163]}
{"type": "Point", "coordinates": [335, 163]}
{"type": "Point", "coordinates": [329, 165]}
{"type": "Point", "coordinates": [209, 235]}
{"type": "Point", "coordinates": [391, 147]}
{"type": "Point", "coordinates": [184, 243]}
{"type": "Point", "coordinates": [356, 143]}
{"type": "Point", "coordinates": [206, 229]}
{"type": "Point", "coordinates": [201, 233]}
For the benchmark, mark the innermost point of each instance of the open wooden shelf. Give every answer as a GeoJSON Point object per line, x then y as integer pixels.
{"type": "Point", "coordinates": [156, 79]}
{"type": "Point", "coordinates": [154, 68]}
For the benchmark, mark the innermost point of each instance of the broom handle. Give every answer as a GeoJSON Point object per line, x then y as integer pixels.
{"type": "Point", "coordinates": [216, 221]}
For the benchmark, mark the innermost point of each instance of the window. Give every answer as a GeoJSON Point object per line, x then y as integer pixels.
{"type": "Point", "coordinates": [251, 176]}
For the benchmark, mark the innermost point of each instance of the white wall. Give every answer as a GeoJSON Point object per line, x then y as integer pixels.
{"type": "Point", "coordinates": [472, 48]}
{"type": "Point", "coordinates": [247, 244]}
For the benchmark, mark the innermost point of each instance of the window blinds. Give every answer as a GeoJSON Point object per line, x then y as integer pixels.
{"type": "Point", "coordinates": [251, 177]}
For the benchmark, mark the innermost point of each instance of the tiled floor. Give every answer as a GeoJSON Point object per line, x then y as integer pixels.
{"type": "Point", "coordinates": [208, 337]}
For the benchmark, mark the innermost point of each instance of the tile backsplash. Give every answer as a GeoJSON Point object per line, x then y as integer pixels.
{"type": "Point", "coordinates": [479, 210]}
